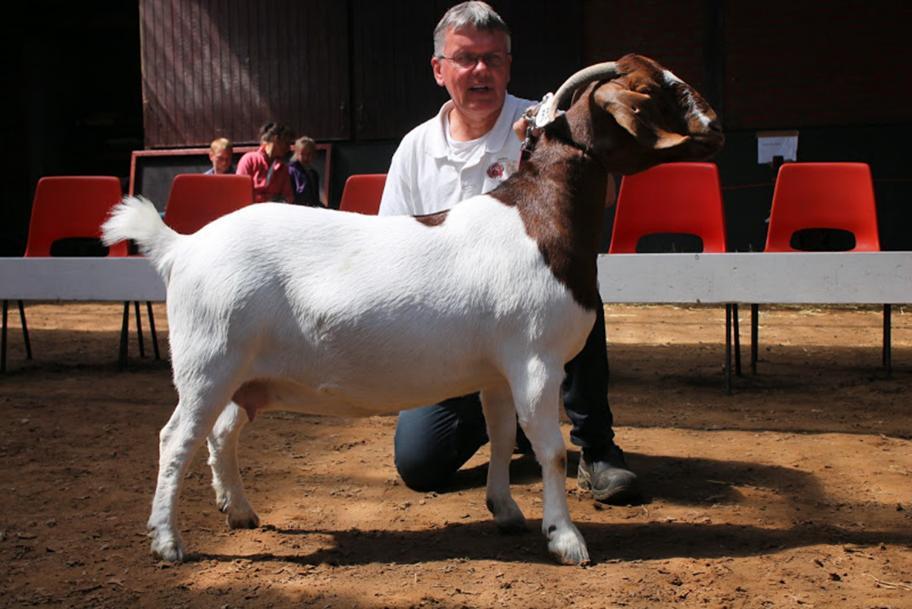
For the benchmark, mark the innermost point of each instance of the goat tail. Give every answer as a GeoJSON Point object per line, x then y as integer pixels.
{"type": "Point", "coordinates": [136, 218]}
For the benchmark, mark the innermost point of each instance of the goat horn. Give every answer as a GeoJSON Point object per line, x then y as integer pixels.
{"type": "Point", "coordinates": [599, 71]}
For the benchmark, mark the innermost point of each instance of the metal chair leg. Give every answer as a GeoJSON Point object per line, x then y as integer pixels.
{"type": "Point", "coordinates": [25, 332]}
{"type": "Point", "coordinates": [887, 339]}
{"type": "Point", "coordinates": [5, 329]}
{"type": "Point", "coordinates": [737, 332]}
{"type": "Point", "coordinates": [3, 338]}
{"type": "Point", "coordinates": [124, 331]}
{"type": "Point", "coordinates": [152, 330]}
{"type": "Point", "coordinates": [139, 331]}
{"type": "Point", "coordinates": [755, 335]}
{"type": "Point", "coordinates": [728, 349]}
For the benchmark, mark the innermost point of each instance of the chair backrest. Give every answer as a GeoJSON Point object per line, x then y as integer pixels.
{"type": "Point", "coordinates": [196, 199]}
{"type": "Point", "coordinates": [68, 207]}
{"type": "Point", "coordinates": [679, 198]}
{"type": "Point", "coordinates": [837, 196]}
{"type": "Point", "coordinates": [362, 193]}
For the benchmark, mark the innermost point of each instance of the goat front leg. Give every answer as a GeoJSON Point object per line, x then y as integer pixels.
{"type": "Point", "coordinates": [536, 395]}
{"type": "Point", "coordinates": [500, 417]}
{"type": "Point", "coordinates": [226, 476]}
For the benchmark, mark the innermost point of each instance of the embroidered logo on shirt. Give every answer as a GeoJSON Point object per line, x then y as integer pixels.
{"type": "Point", "coordinates": [496, 170]}
{"type": "Point", "coordinates": [502, 168]}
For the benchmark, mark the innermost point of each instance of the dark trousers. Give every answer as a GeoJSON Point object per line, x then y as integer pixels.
{"type": "Point", "coordinates": [433, 442]}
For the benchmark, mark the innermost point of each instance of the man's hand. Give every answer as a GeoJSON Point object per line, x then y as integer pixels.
{"type": "Point", "coordinates": [520, 126]}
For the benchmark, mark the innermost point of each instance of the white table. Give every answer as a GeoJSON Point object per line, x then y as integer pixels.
{"type": "Point", "coordinates": [81, 279]}
{"type": "Point", "coordinates": [753, 278]}
{"type": "Point", "coordinates": [93, 279]}
{"type": "Point", "coordinates": [805, 278]}
{"type": "Point", "coordinates": [760, 278]}
{"type": "Point", "coordinates": [800, 278]}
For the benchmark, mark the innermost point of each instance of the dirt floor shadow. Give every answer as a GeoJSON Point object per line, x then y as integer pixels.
{"type": "Point", "coordinates": [685, 481]}
{"type": "Point", "coordinates": [607, 542]}
{"type": "Point", "coordinates": [700, 482]}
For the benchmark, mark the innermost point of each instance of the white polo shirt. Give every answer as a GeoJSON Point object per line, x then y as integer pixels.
{"type": "Point", "coordinates": [431, 173]}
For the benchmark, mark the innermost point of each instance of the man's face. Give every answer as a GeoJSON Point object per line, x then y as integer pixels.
{"type": "Point", "coordinates": [477, 91]}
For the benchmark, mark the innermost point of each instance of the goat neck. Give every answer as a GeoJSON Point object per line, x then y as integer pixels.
{"type": "Point", "coordinates": [559, 193]}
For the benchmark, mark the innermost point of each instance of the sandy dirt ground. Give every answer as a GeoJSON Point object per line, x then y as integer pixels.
{"type": "Point", "coordinates": [796, 491]}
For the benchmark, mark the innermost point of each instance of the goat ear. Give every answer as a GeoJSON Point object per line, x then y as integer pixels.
{"type": "Point", "coordinates": [668, 139]}
{"type": "Point", "coordinates": [630, 110]}
{"type": "Point", "coordinates": [624, 105]}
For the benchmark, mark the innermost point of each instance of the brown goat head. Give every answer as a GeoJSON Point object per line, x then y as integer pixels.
{"type": "Point", "coordinates": [643, 116]}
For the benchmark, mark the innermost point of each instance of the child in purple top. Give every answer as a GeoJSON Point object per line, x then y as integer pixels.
{"type": "Point", "coordinates": [304, 179]}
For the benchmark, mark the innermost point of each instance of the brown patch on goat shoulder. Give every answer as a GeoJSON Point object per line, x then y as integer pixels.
{"type": "Point", "coordinates": [433, 219]}
{"type": "Point", "coordinates": [558, 199]}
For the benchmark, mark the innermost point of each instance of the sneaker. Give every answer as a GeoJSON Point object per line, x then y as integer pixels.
{"type": "Point", "coordinates": [608, 479]}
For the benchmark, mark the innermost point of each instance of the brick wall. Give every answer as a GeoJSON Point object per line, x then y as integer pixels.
{"type": "Point", "coordinates": [798, 64]}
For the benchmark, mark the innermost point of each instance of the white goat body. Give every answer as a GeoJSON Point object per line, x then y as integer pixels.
{"type": "Point", "coordinates": [346, 314]}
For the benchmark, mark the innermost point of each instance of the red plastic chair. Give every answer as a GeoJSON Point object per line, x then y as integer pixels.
{"type": "Point", "coordinates": [683, 198]}
{"type": "Point", "coordinates": [65, 207]}
{"type": "Point", "coordinates": [676, 198]}
{"type": "Point", "coordinates": [362, 193]}
{"type": "Point", "coordinates": [70, 207]}
{"type": "Point", "coordinates": [823, 195]}
{"type": "Point", "coordinates": [836, 196]}
{"type": "Point", "coordinates": [197, 199]}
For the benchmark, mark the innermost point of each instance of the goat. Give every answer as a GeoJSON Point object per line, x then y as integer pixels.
{"type": "Point", "coordinates": [324, 312]}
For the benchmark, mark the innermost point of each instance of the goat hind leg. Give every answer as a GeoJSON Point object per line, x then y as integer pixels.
{"type": "Point", "coordinates": [500, 417]}
{"type": "Point", "coordinates": [178, 441]}
{"type": "Point", "coordinates": [226, 477]}
{"type": "Point", "coordinates": [536, 394]}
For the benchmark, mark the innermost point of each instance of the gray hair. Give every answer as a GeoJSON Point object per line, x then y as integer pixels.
{"type": "Point", "coordinates": [474, 14]}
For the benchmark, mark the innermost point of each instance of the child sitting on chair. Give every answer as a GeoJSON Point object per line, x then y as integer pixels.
{"type": "Point", "coordinates": [304, 179]}
{"type": "Point", "coordinates": [220, 152]}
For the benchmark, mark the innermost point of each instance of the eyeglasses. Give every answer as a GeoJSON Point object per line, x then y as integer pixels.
{"type": "Point", "coordinates": [468, 61]}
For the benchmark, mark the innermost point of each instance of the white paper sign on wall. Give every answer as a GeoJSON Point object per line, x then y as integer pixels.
{"type": "Point", "coordinates": [777, 143]}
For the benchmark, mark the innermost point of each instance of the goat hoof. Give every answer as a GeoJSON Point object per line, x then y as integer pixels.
{"type": "Point", "coordinates": [511, 522]}
{"type": "Point", "coordinates": [244, 520]}
{"type": "Point", "coordinates": [567, 547]}
{"type": "Point", "coordinates": [507, 516]}
{"type": "Point", "coordinates": [169, 550]}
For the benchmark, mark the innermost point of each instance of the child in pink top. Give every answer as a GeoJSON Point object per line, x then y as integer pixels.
{"type": "Point", "coordinates": [267, 166]}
